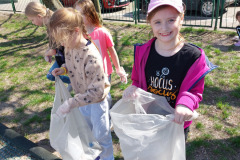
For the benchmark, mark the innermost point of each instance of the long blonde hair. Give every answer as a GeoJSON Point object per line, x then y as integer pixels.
{"type": "Point", "coordinates": [63, 24]}
{"type": "Point", "coordinates": [34, 9]}
{"type": "Point", "coordinates": [89, 11]}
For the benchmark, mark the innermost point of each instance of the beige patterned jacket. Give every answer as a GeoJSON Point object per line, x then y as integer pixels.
{"type": "Point", "coordinates": [85, 70]}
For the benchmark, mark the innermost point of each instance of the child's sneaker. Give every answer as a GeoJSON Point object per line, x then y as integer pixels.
{"type": "Point", "coordinates": [237, 44]}
{"type": "Point", "coordinates": [235, 38]}
{"type": "Point", "coordinates": [69, 87]}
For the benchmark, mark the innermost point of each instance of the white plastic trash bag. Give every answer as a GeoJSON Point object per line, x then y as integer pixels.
{"type": "Point", "coordinates": [145, 129]}
{"type": "Point", "coordinates": [71, 135]}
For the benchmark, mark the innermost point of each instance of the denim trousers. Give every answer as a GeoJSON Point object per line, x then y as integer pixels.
{"type": "Point", "coordinates": [65, 79]}
{"type": "Point", "coordinates": [97, 117]}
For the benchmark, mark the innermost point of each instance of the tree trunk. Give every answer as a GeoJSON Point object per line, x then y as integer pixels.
{"type": "Point", "coordinates": [52, 4]}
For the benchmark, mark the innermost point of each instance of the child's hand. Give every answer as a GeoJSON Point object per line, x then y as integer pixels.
{"type": "Point", "coordinates": [58, 71]}
{"type": "Point", "coordinates": [63, 109]}
{"type": "Point", "coordinates": [130, 92]}
{"type": "Point", "coordinates": [50, 52]}
{"type": "Point", "coordinates": [48, 58]}
{"type": "Point", "coordinates": [182, 113]}
{"type": "Point", "coordinates": [122, 74]}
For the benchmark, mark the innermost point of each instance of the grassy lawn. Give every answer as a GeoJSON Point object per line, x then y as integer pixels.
{"type": "Point", "coordinates": [26, 95]}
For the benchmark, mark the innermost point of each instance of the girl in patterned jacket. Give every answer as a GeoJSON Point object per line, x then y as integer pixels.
{"type": "Point", "coordinates": [85, 68]}
{"type": "Point", "coordinates": [102, 39]}
{"type": "Point", "coordinates": [166, 65]}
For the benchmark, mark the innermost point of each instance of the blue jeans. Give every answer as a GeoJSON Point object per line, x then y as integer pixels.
{"type": "Point", "coordinates": [97, 117]}
{"type": "Point", "coordinates": [65, 79]}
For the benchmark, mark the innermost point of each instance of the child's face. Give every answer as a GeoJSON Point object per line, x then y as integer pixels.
{"type": "Point", "coordinates": [36, 20]}
{"type": "Point", "coordinates": [166, 24]}
{"type": "Point", "coordinates": [238, 19]}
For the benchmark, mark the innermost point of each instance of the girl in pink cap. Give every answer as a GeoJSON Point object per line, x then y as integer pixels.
{"type": "Point", "coordinates": [166, 65]}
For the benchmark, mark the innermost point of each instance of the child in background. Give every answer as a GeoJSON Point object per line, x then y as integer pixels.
{"type": "Point", "coordinates": [166, 65]}
{"type": "Point", "coordinates": [40, 15]}
{"type": "Point", "coordinates": [85, 68]}
{"type": "Point", "coordinates": [237, 29]}
{"type": "Point", "coordinates": [102, 39]}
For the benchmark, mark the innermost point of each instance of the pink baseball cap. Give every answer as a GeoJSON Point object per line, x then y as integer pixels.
{"type": "Point", "coordinates": [177, 4]}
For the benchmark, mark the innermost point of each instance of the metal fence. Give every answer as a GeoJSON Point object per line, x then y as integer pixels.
{"type": "Point", "coordinates": [199, 13]}
{"type": "Point", "coordinates": [15, 5]}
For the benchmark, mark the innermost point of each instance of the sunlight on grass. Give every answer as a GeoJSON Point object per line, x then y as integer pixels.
{"type": "Point", "coordinates": [218, 126]}
{"type": "Point", "coordinates": [217, 51]}
{"type": "Point", "coordinates": [231, 131]}
{"type": "Point", "coordinates": [199, 126]}
{"type": "Point", "coordinates": [221, 105]}
{"type": "Point", "coordinates": [202, 109]}
{"type": "Point", "coordinates": [208, 81]}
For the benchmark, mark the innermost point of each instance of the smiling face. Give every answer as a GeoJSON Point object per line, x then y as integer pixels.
{"type": "Point", "coordinates": [36, 20]}
{"type": "Point", "coordinates": [166, 24]}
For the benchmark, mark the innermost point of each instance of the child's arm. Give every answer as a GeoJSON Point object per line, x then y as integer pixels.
{"type": "Point", "coordinates": [184, 112]}
{"type": "Point", "coordinates": [119, 70]}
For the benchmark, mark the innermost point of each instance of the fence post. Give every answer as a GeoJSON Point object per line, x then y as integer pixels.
{"type": "Point", "coordinates": [135, 11]}
{"type": "Point", "coordinates": [13, 6]}
{"type": "Point", "coordinates": [221, 14]}
{"type": "Point", "coordinates": [217, 14]}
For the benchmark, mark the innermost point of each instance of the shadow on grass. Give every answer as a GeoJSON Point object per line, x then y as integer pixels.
{"type": "Point", "coordinates": [207, 148]}
{"type": "Point", "coordinates": [9, 17]}
{"type": "Point", "coordinates": [212, 94]}
{"type": "Point", "coordinates": [214, 149]}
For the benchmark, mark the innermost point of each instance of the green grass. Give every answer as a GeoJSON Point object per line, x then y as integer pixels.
{"type": "Point", "coordinates": [28, 95]}
{"type": "Point", "coordinates": [199, 126]}
{"type": "Point", "coordinates": [218, 126]}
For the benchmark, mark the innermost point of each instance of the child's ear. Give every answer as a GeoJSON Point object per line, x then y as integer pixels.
{"type": "Point", "coordinates": [76, 29]}
{"type": "Point", "coordinates": [182, 18]}
{"type": "Point", "coordinates": [39, 16]}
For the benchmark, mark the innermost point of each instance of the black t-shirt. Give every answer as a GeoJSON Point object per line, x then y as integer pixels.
{"type": "Point", "coordinates": [164, 75]}
{"type": "Point", "coordinates": [60, 58]}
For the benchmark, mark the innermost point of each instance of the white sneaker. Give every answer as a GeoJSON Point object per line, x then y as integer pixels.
{"type": "Point", "coordinates": [235, 38]}
{"type": "Point", "coordinates": [69, 87]}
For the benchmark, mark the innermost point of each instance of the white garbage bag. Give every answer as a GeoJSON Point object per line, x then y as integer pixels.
{"type": "Point", "coordinates": [71, 135]}
{"type": "Point", "coordinates": [145, 128]}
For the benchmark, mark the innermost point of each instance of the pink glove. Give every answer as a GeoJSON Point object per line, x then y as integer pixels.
{"type": "Point", "coordinates": [130, 92]}
{"type": "Point", "coordinates": [48, 58]}
{"type": "Point", "coordinates": [122, 74]}
{"type": "Point", "coordinates": [63, 109]}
